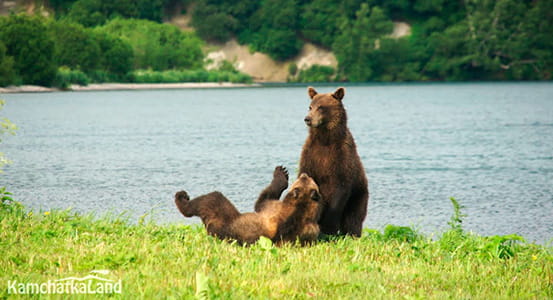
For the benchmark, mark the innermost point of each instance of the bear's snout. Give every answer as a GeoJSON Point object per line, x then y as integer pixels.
{"type": "Point", "coordinates": [307, 120]}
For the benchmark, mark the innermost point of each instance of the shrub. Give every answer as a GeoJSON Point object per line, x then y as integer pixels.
{"type": "Point", "coordinates": [292, 69]}
{"type": "Point", "coordinates": [316, 73]}
{"type": "Point", "coordinates": [157, 46]}
{"type": "Point", "coordinates": [212, 24]}
{"type": "Point", "coordinates": [400, 233]}
{"type": "Point", "coordinates": [97, 12]}
{"type": "Point", "coordinates": [87, 12]}
{"type": "Point", "coordinates": [116, 55]}
{"type": "Point", "coordinates": [272, 29]}
{"type": "Point", "coordinates": [7, 72]}
{"type": "Point", "coordinates": [28, 41]}
{"type": "Point", "coordinates": [75, 46]}
{"type": "Point", "coordinates": [66, 77]}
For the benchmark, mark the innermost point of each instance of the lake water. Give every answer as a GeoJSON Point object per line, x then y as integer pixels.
{"type": "Point", "coordinates": [489, 145]}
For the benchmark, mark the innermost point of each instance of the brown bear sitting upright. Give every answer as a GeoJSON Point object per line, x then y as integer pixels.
{"type": "Point", "coordinates": [293, 218]}
{"type": "Point", "coordinates": [330, 157]}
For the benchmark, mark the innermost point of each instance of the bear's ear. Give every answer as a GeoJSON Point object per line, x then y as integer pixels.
{"type": "Point", "coordinates": [311, 91]}
{"type": "Point", "coordinates": [339, 93]}
{"type": "Point", "coordinates": [295, 193]}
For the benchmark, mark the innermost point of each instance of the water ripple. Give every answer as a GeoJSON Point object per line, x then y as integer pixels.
{"type": "Point", "coordinates": [112, 152]}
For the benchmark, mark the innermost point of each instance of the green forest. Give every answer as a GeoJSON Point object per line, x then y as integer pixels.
{"type": "Point", "coordinates": [84, 41]}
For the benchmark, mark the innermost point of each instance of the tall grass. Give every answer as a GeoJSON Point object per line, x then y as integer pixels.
{"type": "Point", "coordinates": [180, 262]}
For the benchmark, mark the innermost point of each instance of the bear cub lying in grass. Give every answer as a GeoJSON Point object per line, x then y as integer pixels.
{"type": "Point", "coordinates": [292, 219]}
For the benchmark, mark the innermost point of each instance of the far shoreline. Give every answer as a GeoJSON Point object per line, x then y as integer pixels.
{"type": "Point", "coordinates": [124, 86]}
{"type": "Point", "coordinates": [229, 85]}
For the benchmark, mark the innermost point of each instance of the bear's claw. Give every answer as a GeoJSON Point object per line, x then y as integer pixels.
{"type": "Point", "coordinates": [280, 178]}
{"type": "Point", "coordinates": [281, 171]}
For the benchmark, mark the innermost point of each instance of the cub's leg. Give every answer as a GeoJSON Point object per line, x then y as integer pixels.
{"type": "Point", "coordinates": [275, 189]}
{"type": "Point", "coordinates": [181, 200]}
{"type": "Point", "coordinates": [215, 210]}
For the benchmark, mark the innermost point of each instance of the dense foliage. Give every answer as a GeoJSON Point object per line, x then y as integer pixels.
{"type": "Point", "coordinates": [450, 40]}
{"type": "Point", "coordinates": [98, 12]}
{"type": "Point", "coordinates": [7, 72]}
{"type": "Point", "coordinates": [60, 52]}
{"type": "Point", "coordinates": [29, 45]}
{"type": "Point", "coordinates": [157, 46]}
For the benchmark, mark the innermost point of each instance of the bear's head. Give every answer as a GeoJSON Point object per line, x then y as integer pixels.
{"type": "Point", "coordinates": [303, 202]}
{"type": "Point", "coordinates": [325, 110]}
{"type": "Point", "coordinates": [304, 191]}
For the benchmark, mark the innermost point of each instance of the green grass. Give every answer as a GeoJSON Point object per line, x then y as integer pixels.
{"type": "Point", "coordinates": [180, 262]}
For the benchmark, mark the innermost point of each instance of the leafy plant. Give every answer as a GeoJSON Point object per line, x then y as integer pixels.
{"type": "Point", "coordinates": [5, 197]}
{"type": "Point", "coordinates": [460, 243]}
{"type": "Point", "coordinates": [9, 208]}
{"type": "Point", "coordinates": [455, 240]}
{"type": "Point", "coordinates": [502, 247]}
{"type": "Point", "coordinates": [456, 220]}
{"type": "Point", "coordinates": [400, 233]}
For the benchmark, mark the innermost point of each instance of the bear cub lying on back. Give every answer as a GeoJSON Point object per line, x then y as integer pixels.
{"type": "Point", "coordinates": [293, 218]}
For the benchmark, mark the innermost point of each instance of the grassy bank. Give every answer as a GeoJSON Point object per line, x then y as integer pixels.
{"type": "Point", "coordinates": [176, 261]}
{"type": "Point", "coordinates": [66, 77]}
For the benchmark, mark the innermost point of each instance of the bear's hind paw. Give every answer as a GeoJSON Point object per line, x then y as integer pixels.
{"type": "Point", "coordinates": [182, 201]}
{"type": "Point", "coordinates": [281, 173]}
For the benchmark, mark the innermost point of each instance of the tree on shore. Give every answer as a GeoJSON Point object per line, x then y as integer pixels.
{"type": "Point", "coordinates": [28, 41]}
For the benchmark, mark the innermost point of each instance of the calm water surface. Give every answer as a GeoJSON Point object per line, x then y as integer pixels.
{"type": "Point", "coordinates": [489, 145]}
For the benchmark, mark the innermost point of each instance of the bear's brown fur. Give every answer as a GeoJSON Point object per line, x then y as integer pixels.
{"type": "Point", "coordinates": [293, 218]}
{"type": "Point", "coordinates": [330, 157]}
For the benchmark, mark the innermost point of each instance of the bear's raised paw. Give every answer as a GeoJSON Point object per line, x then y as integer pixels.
{"type": "Point", "coordinates": [181, 200]}
{"type": "Point", "coordinates": [281, 171]}
{"type": "Point", "coordinates": [280, 177]}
